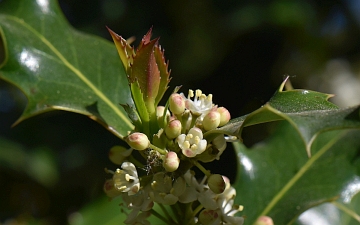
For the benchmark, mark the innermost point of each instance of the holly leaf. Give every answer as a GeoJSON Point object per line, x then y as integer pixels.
{"type": "Point", "coordinates": [145, 71]}
{"type": "Point", "coordinates": [164, 72]}
{"type": "Point", "coordinates": [60, 68]}
{"type": "Point", "coordinates": [126, 52]}
{"type": "Point", "coordinates": [334, 213]}
{"type": "Point", "coordinates": [278, 179]}
{"type": "Point", "coordinates": [309, 112]}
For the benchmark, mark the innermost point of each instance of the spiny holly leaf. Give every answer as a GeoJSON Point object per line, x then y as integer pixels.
{"type": "Point", "coordinates": [148, 77]}
{"type": "Point", "coordinates": [297, 100]}
{"type": "Point", "coordinates": [278, 179]}
{"type": "Point", "coordinates": [283, 102]}
{"type": "Point", "coordinates": [308, 111]}
{"type": "Point", "coordinates": [58, 67]}
{"type": "Point", "coordinates": [145, 70]}
{"type": "Point", "coordinates": [126, 52]}
{"type": "Point", "coordinates": [164, 73]}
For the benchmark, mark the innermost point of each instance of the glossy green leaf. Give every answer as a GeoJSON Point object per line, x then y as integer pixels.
{"type": "Point", "coordinates": [334, 213]}
{"type": "Point", "coordinates": [58, 67]}
{"type": "Point", "coordinates": [278, 179]}
{"type": "Point", "coordinates": [295, 102]}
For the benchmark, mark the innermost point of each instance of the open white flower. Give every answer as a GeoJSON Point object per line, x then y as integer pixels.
{"type": "Point", "coordinates": [165, 190]}
{"type": "Point", "coordinates": [140, 204]}
{"type": "Point", "coordinates": [192, 143]}
{"type": "Point", "coordinates": [201, 104]}
{"type": "Point", "coordinates": [126, 180]}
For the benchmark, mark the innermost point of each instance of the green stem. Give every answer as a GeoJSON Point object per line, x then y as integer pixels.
{"type": "Point", "coordinates": [167, 214]}
{"type": "Point", "coordinates": [197, 210]}
{"type": "Point", "coordinates": [161, 151]}
{"type": "Point", "coordinates": [158, 215]}
{"type": "Point", "coordinates": [132, 159]}
{"type": "Point", "coordinates": [205, 171]}
{"type": "Point", "coordinates": [176, 211]}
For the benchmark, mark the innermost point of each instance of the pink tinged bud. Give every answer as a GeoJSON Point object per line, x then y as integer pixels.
{"type": "Point", "coordinates": [211, 120]}
{"type": "Point", "coordinates": [216, 183]}
{"type": "Point", "coordinates": [118, 154]}
{"type": "Point", "coordinates": [176, 103]}
{"type": "Point", "coordinates": [224, 116]}
{"type": "Point", "coordinates": [208, 216]}
{"type": "Point", "coordinates": [138, 141]}
{"type": "Point", "coordinates": [171, 162]}
{"type": "Point", "coordinates": [160, 111]}
{"type": "Point", "coordinates": [173, 129]}
{"type": "Point", "coordinates": [264, 220]}
{"type": "Point", "coordinates": [110, 190]}
{"type": "Point", "coordinates": [159, 115]}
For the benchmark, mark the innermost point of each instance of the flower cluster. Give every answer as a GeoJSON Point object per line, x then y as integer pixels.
{"type": "Point", "coordinates": [166, 143]}
{"type": "Point", "coordinates": [180, 144]}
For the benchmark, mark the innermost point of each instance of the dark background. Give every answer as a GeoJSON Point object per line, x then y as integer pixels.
{"type": "Point", "coordinates": [239, 51]}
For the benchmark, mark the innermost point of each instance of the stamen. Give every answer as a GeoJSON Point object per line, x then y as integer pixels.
{"type": "Point", "coordinates": [194, 147]}
{"type": "Point", "coordinates": [129, 178]}
{"type": "Point", "coordinates": [186, 144]}
{"type": "Point", "coordinates": [198, 93]}
{"type": "Point", "coordinates": [189, 137]}
{"type": "Point", "coordinates": [197, 140]}
{"type": "Point", "coordinates": [121, 188]}
{"type": "Point", "coordinates": [191, 93]}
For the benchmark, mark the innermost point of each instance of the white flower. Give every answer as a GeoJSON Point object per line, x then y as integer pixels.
{"type": "Point", "coordinates": [193, 143]}
{"type": "Point", "coordinates": [201, 104]}
{"type": "Point", "coordinates": [198, 191]}
{"type": "Point", "coordinates": [140, 204]}
{"type": "Point", "coordinates": [164, 190]}
{"type": "Point", "coordinates": [227, 209]}
{"type": "Point", "coordinates": [126, 180]}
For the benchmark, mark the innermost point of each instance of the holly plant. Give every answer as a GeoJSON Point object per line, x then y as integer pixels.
{"type": "Point", "coordinates": [308, 169]}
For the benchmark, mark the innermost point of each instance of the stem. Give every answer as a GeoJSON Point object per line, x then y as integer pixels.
{"type": "Point", "coordinates": [205, 171]}
{"type": "Point", "coordinates": [158, 215]}
{"type": "Point", "coordinates": [176, 209]}
{"type": "Point", "coordinates": [132, 159]}
{"type": "Point", "coordinates": [167, 214]}
{"type": "Point", "coordinates": [197, 210]}
{"type": "Point", "coordinates": [161, 151]}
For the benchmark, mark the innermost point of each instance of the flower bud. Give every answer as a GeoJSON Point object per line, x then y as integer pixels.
{"type": "Point", "coordinates": [224, 116]}
{"type": "Point", "coordinates": [208, 216]}
{"type": "Point", "coordinates": [211, 120]}
{"type": "Point", "coordinates": [216, 183]}
{"type": "Point", "coordinates": [219, 143]}
{"type": "Point", "coordinates": [173, 129]}
{"type": "Point", "coordinates": [160, 111]}
{"type": "Point", "coordinates": [118, 154]}
{"type": "Point", "coordinates": [138, 141]}
{"type": "Point", "coordinates": [110, 190]}
{"type": "Point", "coordinates": [159, 115]}
{"type": "Point", "coordinates": [171, 162]}
{"type": "Point", "coordinates": [264, 220]}
{"type": "Point", "coordinates": [176, 103]}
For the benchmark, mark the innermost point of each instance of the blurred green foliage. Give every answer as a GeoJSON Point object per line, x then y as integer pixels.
{"type": "Point", "coordinates": [52, 165]}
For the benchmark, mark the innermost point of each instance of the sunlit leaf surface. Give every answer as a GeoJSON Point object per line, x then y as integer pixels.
{"type": "Point", "coordinates": [278, 179]}
{"type": "Point", "coordinates": [58, 67]}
